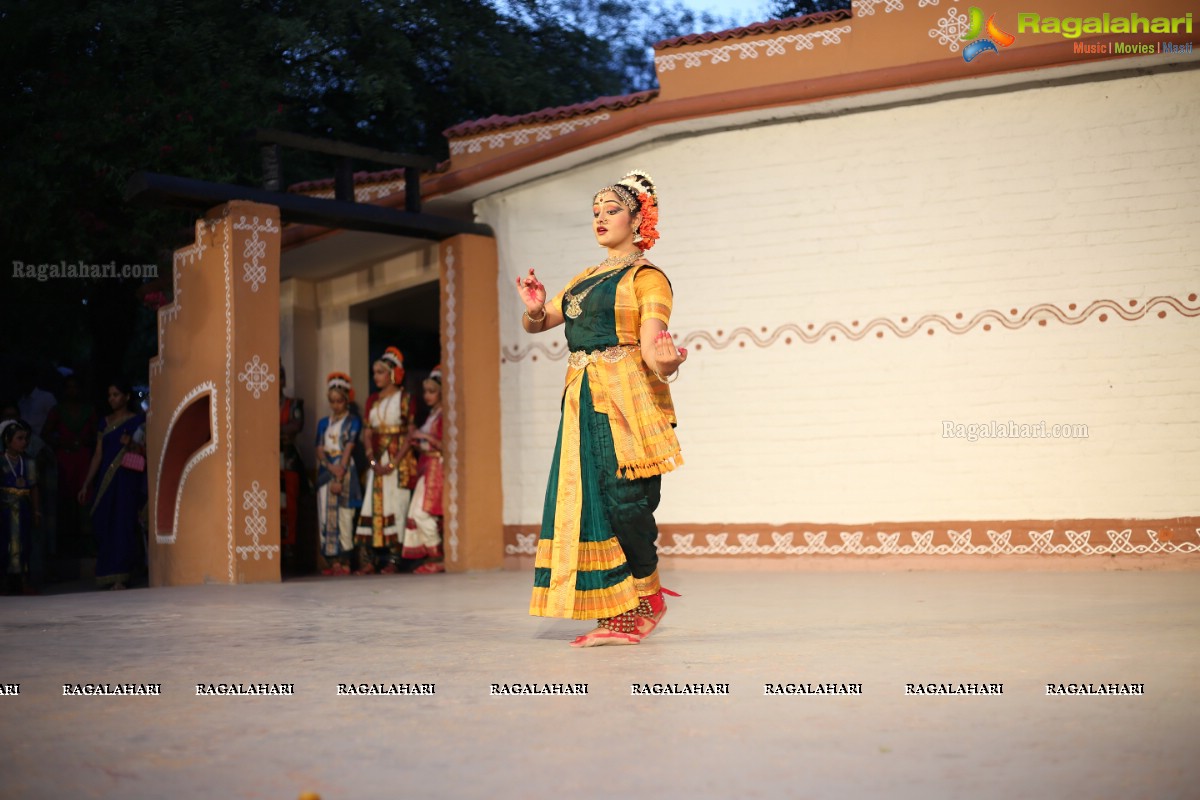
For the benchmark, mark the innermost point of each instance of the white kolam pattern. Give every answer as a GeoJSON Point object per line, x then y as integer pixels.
{"type": "Point", "coordinates": [228, 267]}
{"type": "Point", "coordinates": [521, 136]}
{"type": "Point", "coordinates": [920, 543]}
{"type": "Point", "coordinates": [950, 29]}
{"type": "Point", "coordinates": [450, 464]}
{"type": "Point", "coordinates": [255, 249]}
{"type": "Point", "coordinates": [866, 8]}
{"type": "Point", "coordinates": [257, 377]}
{"type": "Point", "coordinates": [775, 46]}
{"type": "Point", "coordinates": [254, 500]}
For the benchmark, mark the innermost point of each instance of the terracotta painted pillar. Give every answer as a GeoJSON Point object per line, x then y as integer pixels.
{"type": "Point", "coordinates": [473, 503]}
{"type": "Point", "coordinates": [213, 428]}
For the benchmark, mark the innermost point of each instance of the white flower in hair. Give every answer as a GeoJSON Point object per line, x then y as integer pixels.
{"type": "Point", "coordinates": [640, 181]}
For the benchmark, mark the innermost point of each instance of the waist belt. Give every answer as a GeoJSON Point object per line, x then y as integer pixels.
{"type": "Point", "coordinates": [611, 355]}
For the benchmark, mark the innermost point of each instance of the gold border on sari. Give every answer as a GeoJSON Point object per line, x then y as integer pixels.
{"type": "Point", "coordinates": [648, 585]}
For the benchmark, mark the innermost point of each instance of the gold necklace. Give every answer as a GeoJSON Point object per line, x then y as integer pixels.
{"type": "Point", "coordinates": [613, 261]}
{"type": "Point", "coordinates": [17, 471]}
{"type": "Point", "coordinates": [574, 309]}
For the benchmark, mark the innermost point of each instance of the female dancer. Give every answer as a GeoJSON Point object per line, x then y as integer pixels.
{"type": "Point", "coordinates": [389, 417]}
{"type": "Point", "coordinates": [423, 534]}
{"type": "Point", "coordinates": [120, 461]}
{"type": "Point", "coordinates": [596, 555]}
{"type": "Point", "coordinates": [339, 494]}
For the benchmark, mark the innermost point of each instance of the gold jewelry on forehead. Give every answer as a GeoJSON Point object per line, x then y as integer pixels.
{"type": "Point", "coordinates": [625, 196]}
{"type": "Point", "coordinates": [635, 183]}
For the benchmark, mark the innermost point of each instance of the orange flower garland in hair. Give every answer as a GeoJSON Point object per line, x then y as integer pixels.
{"type": "Point", "coordinates": [394, 359]}
{"type": "Point", "coordinates": [341, 382]}
{"type": "Point", "coordinates": [648, 229]}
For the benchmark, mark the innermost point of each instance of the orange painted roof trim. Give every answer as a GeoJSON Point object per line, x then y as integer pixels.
{"type": "Point", "coordinates": [494, 122]}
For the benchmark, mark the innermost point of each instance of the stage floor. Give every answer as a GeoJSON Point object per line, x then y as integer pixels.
{"type": "Point", "coordinates": [464, 633]}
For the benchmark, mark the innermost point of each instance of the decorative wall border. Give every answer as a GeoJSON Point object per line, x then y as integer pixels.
{"type": "Point", "coordinates": [228, 267]}
{"type": "Point", "coordinates": [368, 193]}
{"type": "Point", "coordinates": [1179, 536]}
{"type": "Point", "coordinates": [774, 46]}
{"type": "Point", "coordinates": [1041, 313]}
{"type": "Point", "coordinates": [520, 136]}
{"type": "Point", "coordinates": [866, 8]}
{"type": "Point", "coordinates": [450, 334]}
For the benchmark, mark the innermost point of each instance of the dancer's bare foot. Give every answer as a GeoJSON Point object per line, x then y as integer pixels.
{"type": "Point", "coordinates": [603, 636]}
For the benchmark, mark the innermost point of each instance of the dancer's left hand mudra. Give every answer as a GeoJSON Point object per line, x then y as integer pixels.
{"type": "Point", "coordinates": [664, 357]}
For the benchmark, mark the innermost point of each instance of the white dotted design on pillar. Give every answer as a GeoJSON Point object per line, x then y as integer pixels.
{"type": "Point", "coordinates": [257, 377]}
{"type": "Point", "coordinates": [451, 408]}
{"type": "Point", "coordinates": [254, 500]}
{"type": "Point", "coordinates": [253, 272]}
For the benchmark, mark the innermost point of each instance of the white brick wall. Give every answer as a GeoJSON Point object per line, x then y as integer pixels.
{"type": "Point", "coordinates": [1060, 195]}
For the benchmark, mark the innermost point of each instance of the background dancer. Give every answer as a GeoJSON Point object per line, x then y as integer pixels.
{"type": "Point", "coordinates": [388, 417]}
{"type": "Point", "coordinates": [423, 532]}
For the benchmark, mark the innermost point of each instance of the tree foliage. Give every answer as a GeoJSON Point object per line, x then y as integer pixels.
{"type": "Point", "coordinates": [628, 28]}
{"type": "Point", "coordinates": [785, 9]}
{"type": "Point", "coordinates": [96, 91]}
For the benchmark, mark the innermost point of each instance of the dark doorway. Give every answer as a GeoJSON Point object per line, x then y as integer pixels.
{"type": "Point", "coordinates": [410, 320]}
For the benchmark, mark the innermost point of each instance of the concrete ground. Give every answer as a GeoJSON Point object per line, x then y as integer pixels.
{"type": "Point", "coordinates": [466, 632]}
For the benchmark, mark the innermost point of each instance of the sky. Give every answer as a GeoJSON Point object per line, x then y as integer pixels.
{"type": "Point", "coordinates": [744, 11]}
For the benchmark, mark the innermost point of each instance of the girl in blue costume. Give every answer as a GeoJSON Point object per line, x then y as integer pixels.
{"type": "Point", "coordinates": [339, 493]}
{"type": "Point", "coordinates": [119, 461]}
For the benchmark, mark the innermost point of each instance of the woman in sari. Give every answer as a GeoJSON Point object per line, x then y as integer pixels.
{"type": "Point", "coordinates": [339, 494]}
{"type": "Point", "coordinates": [120, 462]}
{"type": "Point", "coordinates": [393, 471]}
{"type": "Point", "coordinates": [596, 555]}
{"type": "Point", "coordinates": [423, 531]}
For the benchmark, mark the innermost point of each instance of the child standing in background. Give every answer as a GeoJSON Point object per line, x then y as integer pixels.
{"type": "Point", "coordinates": [18, 505]}
{"type": "Point", "coordinates": [339, 493]}
{"type": "Point", "coordinates": [423, 530]}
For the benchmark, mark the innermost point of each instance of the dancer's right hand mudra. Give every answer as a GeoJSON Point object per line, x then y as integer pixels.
{"type": "Point", "coordinates": [538, 316]}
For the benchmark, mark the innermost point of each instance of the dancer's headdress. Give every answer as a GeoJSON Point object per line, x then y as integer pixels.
{"type": "Point", "coordinates": [17, 425]}
{"type": "Point", "coordinates": [341, 382]}
{"type": "Point", "coordinates": [394, 359]}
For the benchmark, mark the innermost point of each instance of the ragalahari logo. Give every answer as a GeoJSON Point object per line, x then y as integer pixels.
{"type": "Point", "coordinates": [976, 26]}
